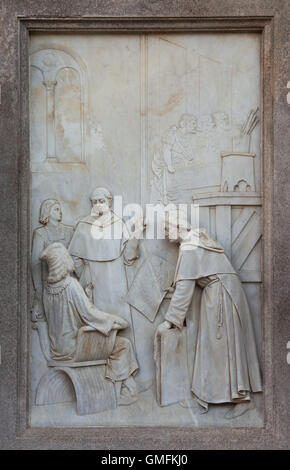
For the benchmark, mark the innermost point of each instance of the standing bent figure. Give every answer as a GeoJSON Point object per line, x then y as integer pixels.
{"type": "Point", "coordinates": [225, 365]}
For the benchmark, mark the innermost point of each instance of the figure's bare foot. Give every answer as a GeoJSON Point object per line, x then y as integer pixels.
{"type": "Point", "coordinates": [89, 291]}
{"type": "Point", "coordinates": [239, 409]}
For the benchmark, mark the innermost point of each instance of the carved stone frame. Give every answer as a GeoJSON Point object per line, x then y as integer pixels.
{"type": "Point", "coordinates": [15, 224]}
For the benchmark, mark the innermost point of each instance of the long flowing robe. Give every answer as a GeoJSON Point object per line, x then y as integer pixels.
{"type": "Point", "coordinates": [67, 309]}
{"type": "Point", "coordinates": [101, 260]}
{"type": "Point", "coordinates": [222, 355]}
{"type": "Point", "coordinates": [41, 239]}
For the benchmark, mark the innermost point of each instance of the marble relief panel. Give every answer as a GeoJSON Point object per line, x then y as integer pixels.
{"type": "Point", "coordinates": [145, 119]}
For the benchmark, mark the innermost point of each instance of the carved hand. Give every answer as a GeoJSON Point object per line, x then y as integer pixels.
{"type": "Point", "coordinates": [170, 290]}
{"type": "Point", "coordinates": [166, 325]}
{"type": "Point", "coordinates": [37, 312]}
{"type": "Point", "coordinates": [89, 291]}
{"type": "Point", "coordinates": [119, 324]}
{"type": "Point", "coordinates": [131, 253]}
{"type": "Point", "coordinates": [140, 226]}
{"type": "Point", "coordinates": [171, 169]}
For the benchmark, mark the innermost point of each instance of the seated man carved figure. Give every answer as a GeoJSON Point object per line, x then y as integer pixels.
{"type": "Point", "coordinates": [68, 309]}
{"type": "Point", "coordinates": [224, 362]}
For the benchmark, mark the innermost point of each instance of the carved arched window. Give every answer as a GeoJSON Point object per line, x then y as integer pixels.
{"type": "Point", "coordinates": [58, 105]}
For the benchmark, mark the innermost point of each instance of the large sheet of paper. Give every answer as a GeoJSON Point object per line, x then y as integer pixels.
{"type": "Point", "coordinates": [148, 289]}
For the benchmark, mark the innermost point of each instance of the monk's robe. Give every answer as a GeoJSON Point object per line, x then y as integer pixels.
{"type": "Point", "coordinates": [221, 346]}
{"type": "Point", "coordinates": [99, 248]}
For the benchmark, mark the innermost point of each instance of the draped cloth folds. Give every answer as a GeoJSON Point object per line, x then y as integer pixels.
{"type": "Point", "coordinates": [222, 361]}
{"type": "Point", "coordinates": [99, 248]}
{"type": "Point", "coordinates": [226, 366]}
{"type": "Point", "coordinates": [68, 309]}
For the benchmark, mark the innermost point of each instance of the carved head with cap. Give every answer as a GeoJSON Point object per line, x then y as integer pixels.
{"type": "Point", "coordinates": [206, 122]}
{"type": "Point", "coordinates": [221, 120]}
{"type": "Point", "coordinates": [188, 124]}
{"type": "Point", "coordinates": [176, 225]}
{"type": "Point", "coordinates": [60, 263]}
{"type": "Point", "coordinates": [179, 230]}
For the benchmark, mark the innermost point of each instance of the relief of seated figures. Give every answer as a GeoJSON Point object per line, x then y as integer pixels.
{"type": "Point", "coordinates": [128, 329]}
{"type": "Point", "coordinates": [204, 349]}
{"type": "Point", "coordinates": [84, 341]}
